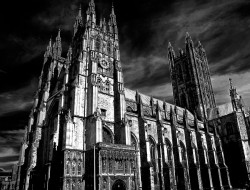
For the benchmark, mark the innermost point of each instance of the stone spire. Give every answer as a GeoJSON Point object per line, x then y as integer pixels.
{"type": "Point", "coordinates": [57, 46]}
{"type": "Point", "coordinates": [188, 38]}
{"type": "Point", "coordinates": [78, 21]}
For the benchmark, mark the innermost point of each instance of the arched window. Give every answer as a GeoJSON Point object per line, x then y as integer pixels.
{"type": "Point", "coordinates": [152, 153]}
{"type": "Point", "coordinates": [133, 141]}
{"type": "Point", "coordinates": [169, 151]}
{"type": "Point", "coordinates": [98, 43]}
{"type": "Point", "coordinates": [79, 169]}
{"type": "Point", "coordinates": [68, 167]}
{"type": "Point", "coordinates": [73, 168]}
{"type": "Point", "coordinates": [107, 136]}
{"type": "Point", "coordinates": [182, 152]}
{"type": "Point", "coordinates": [153, 158]}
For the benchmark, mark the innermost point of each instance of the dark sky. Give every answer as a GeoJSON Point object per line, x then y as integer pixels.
{"type": "Point", "coordinates": [145, 28]}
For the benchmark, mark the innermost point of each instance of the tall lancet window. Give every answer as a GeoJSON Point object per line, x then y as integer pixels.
{"type": "Point", "coordinates": [68, 167]}
{"type": "Point", "coordinates": [153, 157]}
{"type": "Point", "coordinates": [109, 48]}
{"type": "Point", "coordinates": [133, 141]}
{"type": "Point", "coordinates": [74, 168]}
{"type": "Point", "coordinates": [182, 152]}
{"type": "Point", "coordinates": [79, 169]}
{"type": "Point", "coordinates": [98, 44]}
{"type": "Point", "coordinates": [169, 151]}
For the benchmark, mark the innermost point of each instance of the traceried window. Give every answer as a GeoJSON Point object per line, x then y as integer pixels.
{"type": "Point", "coordinates": [68, 167]}
{"type": "Point", "coordinates": [98, 43]}
{"type": "Point", "coordinates": [152, 153]}
{"type": "Point", "coordinates": [153, 158]}
{"type": "Point", "coordinates": [107, 137]}
{"type": "Point", "coordinates": [79, 169]}
{"type": "Point", "coordinates": [73, 168]}
{"type": "Point", "coordinates": [133, 141]}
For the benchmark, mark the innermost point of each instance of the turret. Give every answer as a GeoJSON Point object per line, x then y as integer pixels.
{"type": "Point", "coordinates": [189, 44]}
{"type": "Point", "coordinates": [57, 46]}
{"type": "Point", "coordinates": [48, 51]}
{"type": "Point", "coordinates": [235, 98]}
{"type": "Point", "coordinates": [91, 15]}
{"type": "Point", "coordinates": [78, 21]}
{"type": "Point", "coordinates": [113, 22]}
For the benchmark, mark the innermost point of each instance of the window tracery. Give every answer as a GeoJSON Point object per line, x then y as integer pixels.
{"type": "Point", "coordinates": [73, 168]}
{"type": "Point", "coordinates": [98, 44]}
{"type": "Point", "coordinates": [68, 167]}
{"type": "Point", "coordinates": [79, 169]}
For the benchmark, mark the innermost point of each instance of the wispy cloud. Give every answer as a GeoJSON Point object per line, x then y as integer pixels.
{"type": "Point", "coordinates": [216, 23]}
{"type": "Point", "coordinates": [10, 141]}
{"type": "Point", "coordinates": [16, 100]}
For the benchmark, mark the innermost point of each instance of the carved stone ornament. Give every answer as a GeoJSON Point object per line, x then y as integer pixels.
{"type": "Point", "coordinates": [104, 64]}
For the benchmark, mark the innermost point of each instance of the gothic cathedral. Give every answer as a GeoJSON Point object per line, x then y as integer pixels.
{"type": "Point", "coordinates": [87, 131]}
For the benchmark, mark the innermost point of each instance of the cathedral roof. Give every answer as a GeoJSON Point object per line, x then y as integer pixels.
{"type": "Point", "coordinates": [130, 95]}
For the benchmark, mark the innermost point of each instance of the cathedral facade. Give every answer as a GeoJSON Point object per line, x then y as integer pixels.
{"type": "Point", "coordinates": [87, 131]}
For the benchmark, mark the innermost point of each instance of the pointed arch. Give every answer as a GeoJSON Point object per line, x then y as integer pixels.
{"type": "Point", "coordinates": [68, 166]}
{"type": "Point", "coordinates": [107, 135]}
{"type": "Point", "coordinates": [183, 152]}
{"type": "Point", "coordinates": [134, 141]}
{"type": "Point", "coordinates": [169, 150]}
{"type": "Point", "coordinates": [73, 167]}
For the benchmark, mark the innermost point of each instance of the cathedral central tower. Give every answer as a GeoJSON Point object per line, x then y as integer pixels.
{"type": "Point", "coordinates": [192, 87]}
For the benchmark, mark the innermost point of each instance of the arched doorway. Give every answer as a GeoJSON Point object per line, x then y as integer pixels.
{"type": "Point", "coordinates": [119, 185]}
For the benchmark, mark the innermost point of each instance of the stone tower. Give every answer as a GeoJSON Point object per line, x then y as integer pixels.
{"type": "Point", "coordinates": [192, 88]}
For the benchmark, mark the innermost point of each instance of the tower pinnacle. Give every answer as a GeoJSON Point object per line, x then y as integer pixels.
{"type": "Point", "coordinates": [188, 38]}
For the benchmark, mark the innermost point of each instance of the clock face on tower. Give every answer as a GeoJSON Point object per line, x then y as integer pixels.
{"type": "Point", "coordinates": [104, 64]}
